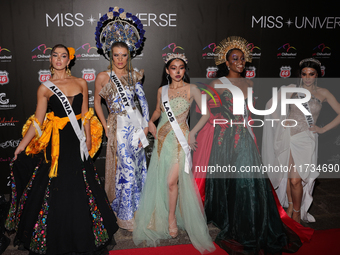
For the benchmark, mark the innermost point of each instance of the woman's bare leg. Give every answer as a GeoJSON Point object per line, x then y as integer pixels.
{"type": "Point", "coordinates": [296, 190]}
{"type": "Point", "coordinates": [173, 195]}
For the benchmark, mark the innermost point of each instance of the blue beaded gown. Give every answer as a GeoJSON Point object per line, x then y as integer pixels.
{"type": "Point", "coordinates": [125, 166]}
{"type": "Point", "coordinates": [66, 214]}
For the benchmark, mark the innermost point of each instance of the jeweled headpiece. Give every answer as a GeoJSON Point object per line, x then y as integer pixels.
{"type": "Point", "coordinates": [310, 60]}
{"type": "Point", "coordinates": [232, 42]}
{"type": "Point", "coordinates": [174, 56]}
{"type": "Point", "coordinates": [119, 26]}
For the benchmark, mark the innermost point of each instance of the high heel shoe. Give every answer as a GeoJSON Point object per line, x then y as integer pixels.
{"type": "Point", "coordinates": [173, 231]}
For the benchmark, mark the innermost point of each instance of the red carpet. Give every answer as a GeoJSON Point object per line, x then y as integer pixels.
{"type": "Point", "coordinates": [324, 242]}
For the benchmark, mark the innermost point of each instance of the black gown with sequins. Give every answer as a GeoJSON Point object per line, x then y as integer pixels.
{"type": "Point", "coordinates": [66, 214]}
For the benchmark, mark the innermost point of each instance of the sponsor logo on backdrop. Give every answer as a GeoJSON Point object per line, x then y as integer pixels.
{"type": "Point", "coordinates": [209, 51]}
{"type": "Point", "coordinates": [255, 50]}
{"type": "Point", "coordinates": [323, 68]}
{"type": "Point", "coordinates": [41, 53]}
{"type": "Point", "coordinates": [5, 55]}
{"type": "Point", "coordinates": [89, 74]}
{"type": "Point", "coordinates": [4, 103]}
{"type": "Point", "coordinates": [8, 123]}
{"type": "Point", "coordinates": [44, 75]}
{"type": "Point", "coordinates": [5, 159]}
{"type": "Point", "coordinates": [335, 159]}
{"type": "Point", "coordinates": [78, 19]}
{"type": "Point", "coordinates": [10, 143]}
{"type": "Point", "coordinates": [286, 51]}
{"type": "Point", "coordinates": [87, 52]}
{"type": "Point", "coordinates": [4, 77]}
{"type": "Point", "coordinates": [211, 72]}
{"type": "Point", "coordinates": [250, 72]}
{"type": "Point", "coordinates": [321, 51]}
{"type": "Point", "coordinates": [173, 48]}
{"type": "Point", "coordinates": [285, 71]}
{"type": "Point", "coordinates": [298, 22]}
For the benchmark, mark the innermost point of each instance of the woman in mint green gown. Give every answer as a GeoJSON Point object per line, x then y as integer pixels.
{"type": "Point", "coordinates": [170, 198]}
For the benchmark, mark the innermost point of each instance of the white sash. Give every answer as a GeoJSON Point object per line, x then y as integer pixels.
{"type": "Point", "coordinates": [177, 129]}
{"type": "Point", "coordinates": [225, 80]}
{"type": "Point", "coordinates": [139, 133]}
{"type": "Point", "coordinates": [70, 114]}
{"type": "Point", "coordinates": [309, 118]}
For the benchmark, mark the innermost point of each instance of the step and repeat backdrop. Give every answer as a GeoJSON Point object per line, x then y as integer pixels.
{"type": "Point", "coordinates": [280, 33]}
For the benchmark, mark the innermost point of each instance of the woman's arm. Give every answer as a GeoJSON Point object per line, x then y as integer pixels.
{"type": "Point", "coordinates": [336, 107]}
{"type": "Point", "coordinates": [197, 96]}
{"type": "Point", "coordinates": [99, 83]}
{"type": "Point", "coordinates": [40, 112]}
{"type": "Point", "coordinates": [156, 114]}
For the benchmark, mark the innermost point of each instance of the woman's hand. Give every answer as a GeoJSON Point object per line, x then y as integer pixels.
{"type": "Point", "coordinates": [316, 129]}
{"type": "Point", "coordinates": [153, 129]}
{"type": "Point", "coordinates": [192, 141]}
{"type": "Point", "coordinates": [88, 144]}
{"type": "Point", "coordinates": [18, 150]}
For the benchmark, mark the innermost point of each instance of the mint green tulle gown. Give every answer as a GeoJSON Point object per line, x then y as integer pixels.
{"type": "Point", "coordinates": [151, 222]}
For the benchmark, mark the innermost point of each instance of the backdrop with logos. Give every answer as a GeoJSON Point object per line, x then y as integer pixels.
{"type": "Point", "coordinates": [281, 34]}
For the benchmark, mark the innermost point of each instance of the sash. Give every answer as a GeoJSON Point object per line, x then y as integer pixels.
{"type": "Point", "coordinates": [131, 112]}
{"type": "Point", "coordinates": [309, 118]}
{"type": "Point", "coordinates": [225, 80]}
{"type": "Point", "coordinates": [73, 120]}
{"type": "Point", "coordinates": [177, 129]}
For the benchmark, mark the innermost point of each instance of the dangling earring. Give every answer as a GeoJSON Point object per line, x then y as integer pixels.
{"type": "Point", "coordinates": [167, 77]}
{"type": "Point", "coordinates": [228, 68]}
{"type": "Point", "coordinates": [52, 70]}
{"type": "Point", "coordinates": [68, 71]}
{"type": "Point", "coordinates": [300, 82]}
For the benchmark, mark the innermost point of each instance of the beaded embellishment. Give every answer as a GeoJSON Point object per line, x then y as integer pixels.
{"type": "Point", "coordinates": [15, 211]}
{"type": "Point", "coordinates": [100, 233]}
{"type": "Point", "coordinates": [38, 241]}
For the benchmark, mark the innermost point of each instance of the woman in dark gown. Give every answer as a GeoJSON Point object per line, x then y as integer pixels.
{"type": "Point", "coordinates": [241, 204]}
{"type": "Point", "coordinates": [66, 211]}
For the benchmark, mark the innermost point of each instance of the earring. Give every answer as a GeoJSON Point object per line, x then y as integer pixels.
{"type": "Point", "coordinates": [68, 71]}
{"type": "Point", "coordinates": [52, 70]}
{"type": "Point", "coordinates": [228, 68]}
{"type": "Point", "coordinates": [167, 77]}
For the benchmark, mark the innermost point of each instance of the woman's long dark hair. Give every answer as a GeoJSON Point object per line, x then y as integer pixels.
{"type": "Point", "coordinates": [310, 64]}
{"type": "Point", "coordinates": [167, 79]}
{"type": "Point", "coordinates": [222, 68]}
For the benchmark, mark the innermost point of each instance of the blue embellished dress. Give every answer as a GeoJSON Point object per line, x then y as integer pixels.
{"type": "Point", "coordinates": [69, 213]}
{"type": "Point", "coordinates": [125, 167]}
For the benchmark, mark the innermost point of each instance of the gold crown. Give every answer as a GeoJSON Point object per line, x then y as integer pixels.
{"type": "Point", "coordinates": [232, 42]}
{"type": "Point", "coordinates": [174, 56]}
